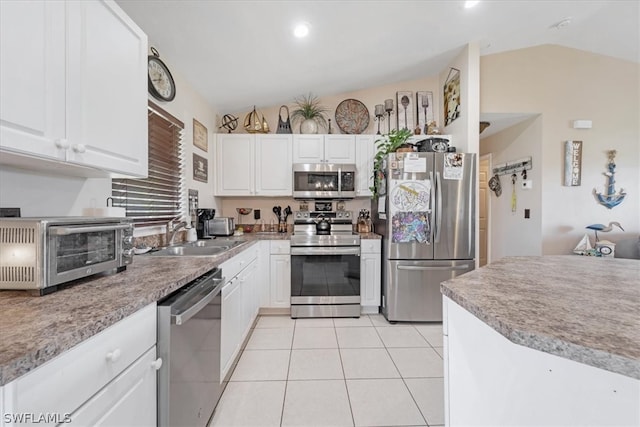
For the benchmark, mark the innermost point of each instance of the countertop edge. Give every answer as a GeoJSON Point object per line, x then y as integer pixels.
{"type": "Point", "coordinates": [30, 360]}
{"type": "Point", "coordinates": [588, 356]}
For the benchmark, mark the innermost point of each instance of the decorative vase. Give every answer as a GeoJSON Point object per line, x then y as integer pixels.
{"type": "Point", "coordinates": [309, 126]}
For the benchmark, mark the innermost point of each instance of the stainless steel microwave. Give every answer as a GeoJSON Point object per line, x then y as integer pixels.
{"type": "Point", "coordinates": [40, 253]}
{"type": "Point", "coordinates": [324, 181]}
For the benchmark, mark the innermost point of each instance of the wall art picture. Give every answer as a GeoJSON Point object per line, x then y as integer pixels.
{"type": "Point", "coordinates": [424, 107]}
{"type": "Point", "coordinates": [451, 96]}
{"type": "Point", "coordinates": [572, 163]}
{"type": "Point", "coordinates": [200, 137]}
{"type": "Point", "coordinates": [405, 110]}
{"type": "Point", "coordinates": [200, 168]}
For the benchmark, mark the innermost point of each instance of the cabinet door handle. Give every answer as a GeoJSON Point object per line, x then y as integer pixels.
{"type": "Point", "coordinates": [62, 143]}
{"type": "Point", "coordinates": [157, 364]}
{"type": "Point", "coordinates": [79, 148]}
{"type": "Point", "coordinates": [114, 355]}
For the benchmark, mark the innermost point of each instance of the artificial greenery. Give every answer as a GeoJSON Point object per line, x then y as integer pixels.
{"type": "Point", "coordinates": [387, 144]}
{"type": "Point", "coordinates": [309, 107]}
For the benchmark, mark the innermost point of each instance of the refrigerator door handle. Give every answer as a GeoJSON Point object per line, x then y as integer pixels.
{"type": "Point", "coordinates": [433, 207]}
{"type": "Point", "coordinates": [442, 267]}
{"type": "Point", "coordinates": [439, 207]}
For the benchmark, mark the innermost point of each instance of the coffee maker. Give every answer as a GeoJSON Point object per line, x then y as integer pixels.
{"type": "Point", "coordinates": [204, 216]}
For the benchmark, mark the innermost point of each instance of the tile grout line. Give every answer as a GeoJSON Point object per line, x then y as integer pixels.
{"type": "Point", "coordinates": [344, 379]}
{"type": "Point", "coordinates": [286, 381]}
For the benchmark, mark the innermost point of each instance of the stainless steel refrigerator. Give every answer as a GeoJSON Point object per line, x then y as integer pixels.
{"type": "Point", "coordinates": [426, 214]}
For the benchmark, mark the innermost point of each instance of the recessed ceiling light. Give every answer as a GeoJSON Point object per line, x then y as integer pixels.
{"type": "Point", "coordinates": [470, 3]}
{"type": "Point", "coordinates": [301, 30]}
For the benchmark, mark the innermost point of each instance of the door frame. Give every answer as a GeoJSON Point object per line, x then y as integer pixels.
{"type": "Point", "coordinates": [488, 157]}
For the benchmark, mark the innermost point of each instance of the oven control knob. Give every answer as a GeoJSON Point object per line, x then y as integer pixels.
{"type": "Point", "coordinates": [127, 253]}
{"type": "Point", "coordinates": [347, 214]}
{"type": "Point", "coordinates": [128, 240]}
{"type": "Point", "coordinates": [298, 215]}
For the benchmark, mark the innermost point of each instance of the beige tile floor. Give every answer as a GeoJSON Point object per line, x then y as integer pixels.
{"type": "Point", "coordinates": [336, 372]}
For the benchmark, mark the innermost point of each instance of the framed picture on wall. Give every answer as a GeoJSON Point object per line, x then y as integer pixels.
{"type": "Point", "coordinates": [405, 110]}
{"type": "Point", "coordinates": [424, 107]}
{"type": "Point", "coordinates": [200, 168]}
{"type": "Point", "coordinates": [200, 136]}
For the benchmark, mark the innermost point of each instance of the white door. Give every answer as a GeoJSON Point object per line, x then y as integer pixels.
{"type": "Point", "coordinates": [483, 208]}
{"type": "Point", "coordinates": [280, 278]}
{"type": "Point", "coordinates": [274, 165]}
{"type": "Point", "coordinates": [106, 89]}
{"type": "Point", "coordinates": [234, 164]}
{"type": "Point", "coordinates": [32, 78]}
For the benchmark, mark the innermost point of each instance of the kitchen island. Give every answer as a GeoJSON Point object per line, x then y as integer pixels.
{"type": "Point", "coordinates": [551, 340]}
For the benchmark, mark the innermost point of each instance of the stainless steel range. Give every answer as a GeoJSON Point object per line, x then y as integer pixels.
{"type": "Point", "coordinates": [325, 264]}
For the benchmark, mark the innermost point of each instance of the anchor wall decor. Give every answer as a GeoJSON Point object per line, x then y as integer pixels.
{"type": "Point", "coordinates": [610, 199]}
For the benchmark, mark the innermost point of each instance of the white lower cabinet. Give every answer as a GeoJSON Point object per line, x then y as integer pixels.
{"type": "Point", "coordinates": [240, 303]}
{"type": "Point", "coordinates": [231, 331]}
{"type": "Point", "coordinates": [280, 274]}
{"type": "Point", "coordinates": [125, 400]}
{"type": "Point", "coordinates": [370, 275]}
{"type": "Point", "coordinates": [109, 379]}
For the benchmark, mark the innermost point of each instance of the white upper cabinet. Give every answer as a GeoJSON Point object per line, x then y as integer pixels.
{"type": "Point", "coordinates": [107, 90]}
{"type": "Point", "coordinates": [274, 165]}
{"type": "Point", "coordinates": [73, 84]}
{"type": "Point", "coordinates": [365, 153]}
{"type": "Point", "coordinates": [32, 78]}
{"type": "Point", "coordinates": [324, 148]}
{"type": "Point", "coordinates": [254, 165]}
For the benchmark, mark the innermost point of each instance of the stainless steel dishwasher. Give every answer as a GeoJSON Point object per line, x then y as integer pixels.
{"type": "Point", "coordinates": [189, 384]}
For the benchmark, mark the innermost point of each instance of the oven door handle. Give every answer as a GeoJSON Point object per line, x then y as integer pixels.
{"type": "Point", "coordinates": [65, 231]}
{"type": "Point", "coordinates": [326, 250]}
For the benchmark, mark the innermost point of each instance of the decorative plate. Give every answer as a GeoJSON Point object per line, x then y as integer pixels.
{"type": "Point", "coordinates": [352, 116]}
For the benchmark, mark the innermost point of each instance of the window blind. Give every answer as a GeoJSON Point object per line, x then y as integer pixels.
{"type": "Point", "coordinates": [159, 197]}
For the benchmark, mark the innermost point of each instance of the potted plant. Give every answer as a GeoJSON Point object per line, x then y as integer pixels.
{"type": "Point", "coordinates": [310, 113]}
{"type": "Point", "coordinates": [390, 143]}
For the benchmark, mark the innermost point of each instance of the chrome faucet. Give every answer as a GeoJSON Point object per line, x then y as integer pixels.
{"type": "Point", "coordinates": [172, 229]}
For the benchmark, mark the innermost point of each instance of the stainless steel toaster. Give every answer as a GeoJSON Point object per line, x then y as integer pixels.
{"type": "Point", "coordinates": [222, 226]}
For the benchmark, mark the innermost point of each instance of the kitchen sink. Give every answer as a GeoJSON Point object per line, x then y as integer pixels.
{"type": "Point", "coordinates": [199, 248]}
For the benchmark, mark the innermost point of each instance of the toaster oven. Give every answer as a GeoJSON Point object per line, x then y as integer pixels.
{"type": "Point", "coordinates": [38, 254]}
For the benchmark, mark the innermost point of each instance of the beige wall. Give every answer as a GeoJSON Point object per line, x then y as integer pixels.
{"type": "Point", "coordinates": [369, 97]}
{"type": "Point", "coordinates": [562, 85]}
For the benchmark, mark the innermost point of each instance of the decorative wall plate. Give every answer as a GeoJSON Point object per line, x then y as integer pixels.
{"type": "Point", "coordinates": [352, 116]}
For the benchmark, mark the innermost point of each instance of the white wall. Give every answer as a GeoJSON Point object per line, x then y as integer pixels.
{"type": "Point", "coordinates": [511, 233]}
{"type": "Point", "coordinates": [563, 85]}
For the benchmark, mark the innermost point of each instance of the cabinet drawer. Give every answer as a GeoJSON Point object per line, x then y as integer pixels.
{"type": "Point", "coordinates": [129, 400]}
{"type": "Point", "coordinates": [370, 246]}
{"type": "Point", "coordinates": [235, 265]}
{"type": "Point", "coordinates": [63, 384]}
{"type": "Point", "coordinates": [280, 247]}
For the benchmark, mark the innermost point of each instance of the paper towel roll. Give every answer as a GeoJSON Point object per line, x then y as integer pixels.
{"type": "Point", "coordinates": [108, 211]}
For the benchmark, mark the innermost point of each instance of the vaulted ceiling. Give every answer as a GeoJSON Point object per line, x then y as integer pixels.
{"type": "Point", "coordinates": [237, 54]}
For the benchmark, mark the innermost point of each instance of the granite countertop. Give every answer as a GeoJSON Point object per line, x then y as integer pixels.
{"type": "Point", "coordinates": [34, 330]}
{"type": "Point", "coordinates": [584, 309]}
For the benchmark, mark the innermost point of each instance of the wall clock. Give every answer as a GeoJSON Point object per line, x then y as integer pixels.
{"type": "Point", "coordinates": [161, 84]}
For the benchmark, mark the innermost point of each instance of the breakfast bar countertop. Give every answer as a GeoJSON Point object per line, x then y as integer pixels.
{"type": "Point", "coordinates": [581, 308]}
